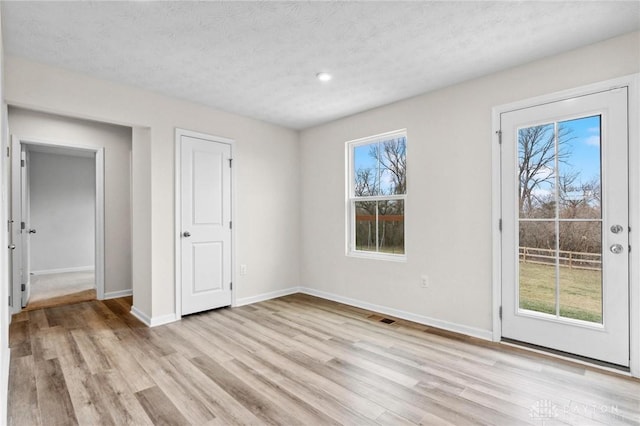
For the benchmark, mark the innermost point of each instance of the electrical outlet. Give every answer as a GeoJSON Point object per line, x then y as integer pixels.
{"type": "Point", "coordinates": [243, 269]}
{"type": "Point", "coordinates": [424, 281]}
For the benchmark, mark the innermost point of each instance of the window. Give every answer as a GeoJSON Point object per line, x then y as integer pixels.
{"type": "Point", "coordinates": [377, 191]}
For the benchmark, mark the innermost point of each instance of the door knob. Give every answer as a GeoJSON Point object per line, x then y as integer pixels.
{"type": "Point", "coordinates": [616, 229]}
{"type": "Point", "coordinates": [12, 246]}
{"type": "Point", "coordinates": [616, 248]}
{"type": "Point", "coordinates": [32, 231]}
{"type": "Point", "coordinates": [186, 234]}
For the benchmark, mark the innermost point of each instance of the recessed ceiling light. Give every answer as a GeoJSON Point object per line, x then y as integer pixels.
{"type": "Point", "coordinates": [323, 76]}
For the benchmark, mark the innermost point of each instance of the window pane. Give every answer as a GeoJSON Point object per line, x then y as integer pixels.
{"type": "Point", "coordinates": [393, 166]}
{"type": "Point", "coordinates": [581, 270]}
{"type": "Point", "coordinates": [391, 226]}
{"type": "Point", "coordinates": [378, 173]}
{"type": "Point", "coordinates": [536, 171]}
{"type": "Point", "coordinates": [366, 171]}
{"type": "Point", "coordinates": [579, 168]}
{"type": "Point", "coordinates": [537, 266]}
{"type": "Point", "coordinates": [365, 223]}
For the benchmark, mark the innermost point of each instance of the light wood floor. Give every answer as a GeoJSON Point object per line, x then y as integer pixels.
{"type": "Point", "coordinates": [289, 361]}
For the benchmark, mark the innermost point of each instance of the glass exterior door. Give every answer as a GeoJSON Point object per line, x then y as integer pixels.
{"type": "Point", "coordinates": [565, 234]}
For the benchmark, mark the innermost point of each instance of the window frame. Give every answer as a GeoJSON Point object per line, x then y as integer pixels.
{"type": "Point", "coordinates": [351, 199]}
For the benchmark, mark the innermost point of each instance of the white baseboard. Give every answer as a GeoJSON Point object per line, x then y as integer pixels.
{"type": "Point", "coordinates": [420, 319]}
{"type": "Point", "coordinates": [163, 319]}
{"type": "Point", "coordinates": [266, 296]}
{"type": "Point", "coordinates": [63, 270]}
{"type": "Point", "coordinates": [116, 294]}
{"type": "Point", "coordinates": [141, 316]}
{"type": "Point", "coordinates": [153, 321]}
{"type": "Point", "coordinates": [4, 384]}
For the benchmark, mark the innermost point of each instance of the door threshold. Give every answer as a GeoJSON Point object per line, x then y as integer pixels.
{"type": "Point", "coordinates": [566, 356]}
{"type": "Point", "coordinates": [67, 299]}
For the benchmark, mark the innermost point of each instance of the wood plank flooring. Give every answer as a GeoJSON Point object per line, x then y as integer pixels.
{"type": "Point", "coordinates": [297, 360]}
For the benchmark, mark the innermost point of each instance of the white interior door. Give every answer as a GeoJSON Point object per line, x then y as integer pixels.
{"type": "Point", "coordinates": [206, 224]}
{"type": "Point", "coordinates": [565, 238]}
{"type": "Point", "coordinates": [25, 227]}
{"type": "Point", "coordinates": [19, 229]}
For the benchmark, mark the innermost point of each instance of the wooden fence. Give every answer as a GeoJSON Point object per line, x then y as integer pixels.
{"type": "Point", "coordinates": [381, 218]}
{"type": "Point", "coordinates": [568, 259]}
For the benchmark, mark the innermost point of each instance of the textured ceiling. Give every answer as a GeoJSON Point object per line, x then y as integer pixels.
{"type": "Point", "coordinates": [259, 59]}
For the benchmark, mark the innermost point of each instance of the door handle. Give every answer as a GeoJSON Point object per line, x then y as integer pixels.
{"type": "Point", "coordinates": [12, 247]}
{"type": "Point", "coordinates": [32, 231]}
{"type": "Point", "coordinates": [616, 248]}
{"type": "Point", "coordinates": [186, 234]}
{"type": "Point", "coordinates": [616, 229]}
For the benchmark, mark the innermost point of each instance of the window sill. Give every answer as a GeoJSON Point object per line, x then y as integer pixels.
{"type": "Point", "coordinates": [378, 256]}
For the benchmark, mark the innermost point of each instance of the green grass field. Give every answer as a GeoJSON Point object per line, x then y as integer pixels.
{"type": "Point", "coordinates": [580, 291]}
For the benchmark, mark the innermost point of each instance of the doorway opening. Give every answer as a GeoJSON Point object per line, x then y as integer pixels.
{"type": "Point", "coordinates": [61, 193]}
{"type": "Point", "coordinates": [57, 224]}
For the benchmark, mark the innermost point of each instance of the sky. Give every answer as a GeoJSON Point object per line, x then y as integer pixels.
{"type": "Point", "coordinates": [585, 147]}
{"type": "Point", "coordinates": [362, 158]}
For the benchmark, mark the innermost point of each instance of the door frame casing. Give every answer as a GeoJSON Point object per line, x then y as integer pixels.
{"type": "Point", "coordinates": [178, 212]}
{"type": "Point", "coordinates": [633, 113]}
{"type": "Point", "coordinates": [99, 242]}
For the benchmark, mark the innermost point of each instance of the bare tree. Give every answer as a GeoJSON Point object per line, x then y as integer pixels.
{"type": "Point", "coordinates": [392, 157]}
{"type": "Point", "coordinates": [366, 182]}
{"type": "Point", "coordinates": [537, 154]}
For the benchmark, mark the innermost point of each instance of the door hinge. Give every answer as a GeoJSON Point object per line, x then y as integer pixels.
{"type": "Point", "coordinates": [230, 161]}
{"type": "Point", "coordinates": [231, 285]}
{"type": "Point", "coordinates": [500, 312]}
{"type": "Point", "coordinates": [499, 133]}
{"type": "Point", "coordinates": [500, 225]}
{"type": "Point", "coordinates": [10, 303]}
{"type": "Point", "coordinates": [8, 152]}
{"type": "Point", "coordinates": [230, 224]}
{"type": "Point", "coordinates": [23, 225]}
{"type": "Point", "coordinates": [23, 287]}
{"type": "Point", "coordinates": [21, 163]}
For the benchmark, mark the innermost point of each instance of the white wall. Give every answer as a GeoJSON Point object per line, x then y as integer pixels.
{"type": "Point", "coordinates": [116, 141]}
{"type": "Point", "coordinates": [266, 170]}
{"type": "Point", "coordinates": [448, 210]}
{"type": "Point", "coordinates": [141, 249]}
{"type": "Point", "coordinates": [5, 283]}
{"type": "Point", "coordinates": [62, 192]}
